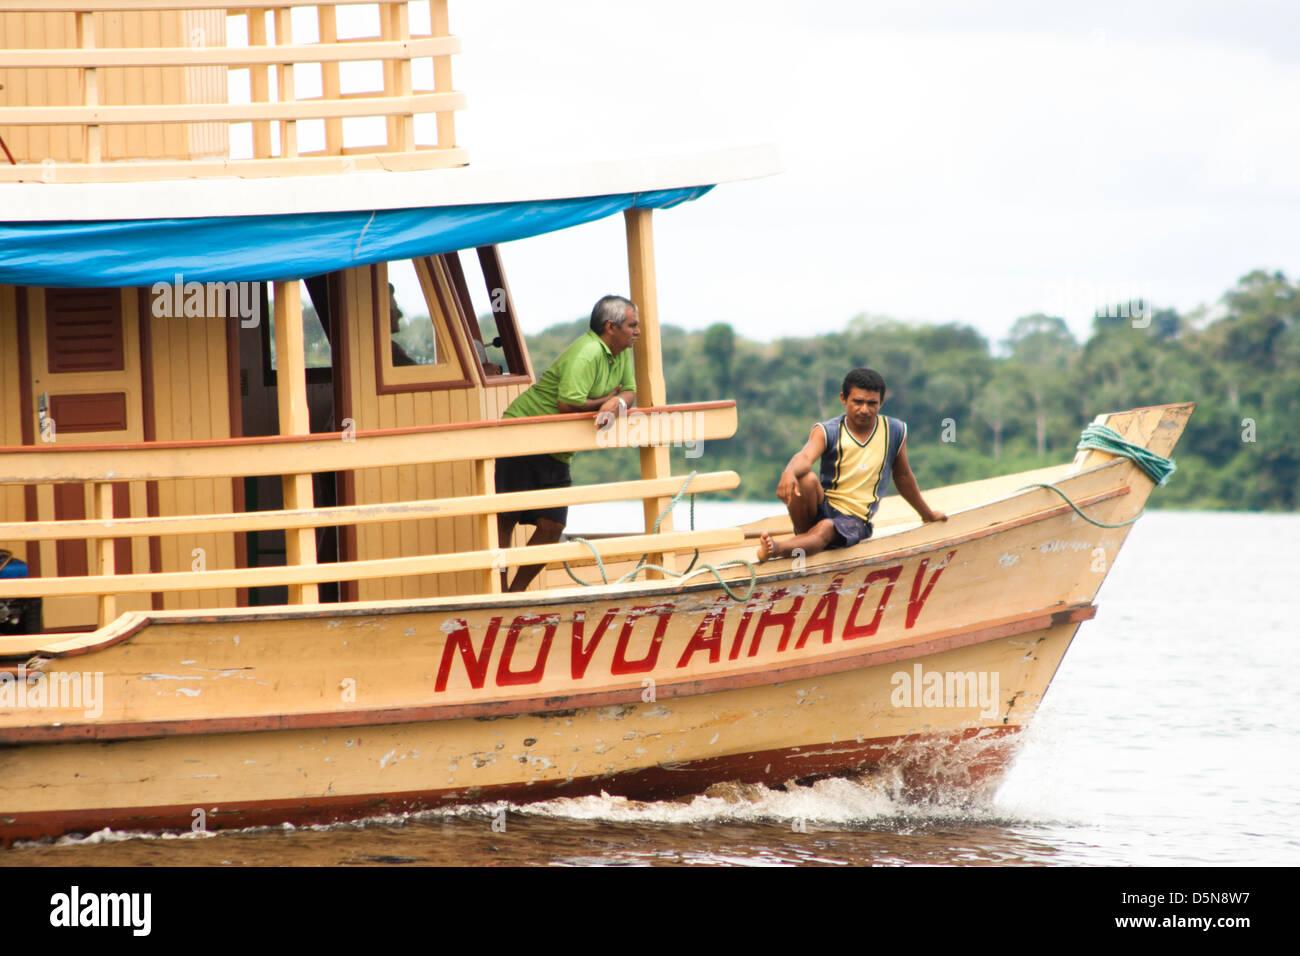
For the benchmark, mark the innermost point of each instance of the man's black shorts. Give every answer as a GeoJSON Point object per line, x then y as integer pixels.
{"type": "Point", "coordinates": [849, 529]}
{"type": "Point", "coordinates": [529, 473]}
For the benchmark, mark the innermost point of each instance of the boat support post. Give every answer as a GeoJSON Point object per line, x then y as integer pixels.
{"type": "Point", "coordinates": [291, 396]}
{"type": "Point", "coordinates": [656, 461]}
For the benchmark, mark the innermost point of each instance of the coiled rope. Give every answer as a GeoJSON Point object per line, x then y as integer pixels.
{"type": "Point", "coordinates": [645, 563]}
{"type": "Point", "coordinates": [1101, 438]}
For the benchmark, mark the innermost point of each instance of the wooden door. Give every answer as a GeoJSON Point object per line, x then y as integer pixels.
{"type": "Point", "coordinates": [85, 387]}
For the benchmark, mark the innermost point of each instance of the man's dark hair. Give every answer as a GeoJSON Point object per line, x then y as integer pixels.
{"type": "Point", "coordinates": [867, 379]}
{"type": "Point", "coordinates": [611, 309]}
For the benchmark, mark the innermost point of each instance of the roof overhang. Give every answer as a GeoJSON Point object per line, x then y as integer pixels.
{"type": "Point", "coordinates": [492, 181]}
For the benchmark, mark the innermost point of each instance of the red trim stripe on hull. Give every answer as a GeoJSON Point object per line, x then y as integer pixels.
{"type": "Point", "coordinates": [922, 761]}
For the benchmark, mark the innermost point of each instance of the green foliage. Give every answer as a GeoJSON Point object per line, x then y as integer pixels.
{"type": "Point", "coordinates": [1006, 414]}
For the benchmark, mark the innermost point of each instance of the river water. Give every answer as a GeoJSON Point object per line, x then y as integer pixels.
{"type": "Point", "coordinates": [1170, 736]}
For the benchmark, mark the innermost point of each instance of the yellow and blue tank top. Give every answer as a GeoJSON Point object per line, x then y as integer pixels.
{"type": "Point", "coordinates": [854, 474]}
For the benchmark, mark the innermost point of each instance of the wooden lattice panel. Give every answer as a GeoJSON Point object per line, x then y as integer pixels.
{"type": "Point", "coordinates": [123, 90]}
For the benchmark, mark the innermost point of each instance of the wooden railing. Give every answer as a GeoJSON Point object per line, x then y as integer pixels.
{"type": "Point", "coordinates": [344, 451]}
{"type": "Point", "coordinates": [399, 102]}
{"type": "Point", "coordinates": [103, 465]}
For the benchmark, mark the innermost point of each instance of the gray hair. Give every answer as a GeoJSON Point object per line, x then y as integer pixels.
{"type": "Point", "coordinates": [610, 310]}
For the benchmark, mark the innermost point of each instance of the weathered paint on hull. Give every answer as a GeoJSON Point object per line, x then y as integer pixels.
{"type": "Point", "coordinates": [837, 724]}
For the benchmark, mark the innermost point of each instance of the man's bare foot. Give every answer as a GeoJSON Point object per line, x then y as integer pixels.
{"type": "Point", "coordinates": [766, 547]}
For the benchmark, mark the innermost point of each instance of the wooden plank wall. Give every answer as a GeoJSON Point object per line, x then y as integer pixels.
{"type": "Point", "coordinates": [118, 85]}
{"type": "Point", "coordinates": [20, 31]}
{"type": "Point", "coordinates": [372, 410]}
{"type": "Point", "coordinates": [205, 84]}
{"type": "Point", "coordinates": [11, 498]}
{"type": "Point", "coordinates": [191, 401]}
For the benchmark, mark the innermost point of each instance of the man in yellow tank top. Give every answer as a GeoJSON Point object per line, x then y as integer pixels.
{"type": "Point", "coordinates": [832, 506]}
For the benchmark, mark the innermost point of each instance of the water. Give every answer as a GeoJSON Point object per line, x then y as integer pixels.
{"type": "Point", "coordinates": [1170, 736]}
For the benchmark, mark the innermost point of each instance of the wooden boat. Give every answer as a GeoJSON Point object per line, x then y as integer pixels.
{"type": "Point", "coordinates": [269, 588]}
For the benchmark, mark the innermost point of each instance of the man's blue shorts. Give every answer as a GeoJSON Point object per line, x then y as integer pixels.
{"type": "Point", "coordinates": [849, 529]}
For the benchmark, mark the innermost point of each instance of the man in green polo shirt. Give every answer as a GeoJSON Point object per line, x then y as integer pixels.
{"type": "Point", "coordinates": [594, 374]}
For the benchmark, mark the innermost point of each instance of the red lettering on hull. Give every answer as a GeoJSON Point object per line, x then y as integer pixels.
{"type": "Point", "coordinates": [506, 677]}
{"type": "Point", "coordinates": [854, 630]}
{"type": "Point", "coordinates": [785, 621]}
{"type": "Point", "coordinates": [476, 665]}
{"type": "Point", "coordinates": [915, 603]}
{"type": "Point", "coordinates": [580, 656]}
{"type": "Point", "coordinates": [823, 617]}
{"type": "Point", "coordinates": [739, 639]}
{"type": "Point", "coordinates": [708, 636]}
{"type": "Point", "coordinates": [621, 664]}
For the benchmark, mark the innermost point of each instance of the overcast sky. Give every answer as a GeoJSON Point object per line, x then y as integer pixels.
{"type": "Point", "coordinates": [943, 161]}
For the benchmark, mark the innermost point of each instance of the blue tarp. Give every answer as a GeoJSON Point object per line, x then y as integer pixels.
{"type": "Point", "coordinates": [140, 252]}
{"type": "Point", "coordinates": [14, 569]}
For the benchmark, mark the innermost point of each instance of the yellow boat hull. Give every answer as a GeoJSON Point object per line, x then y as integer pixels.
{"type": "Point", "coordinates": [917, 654]}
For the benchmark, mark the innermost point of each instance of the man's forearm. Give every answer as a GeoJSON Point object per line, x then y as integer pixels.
{"type": "Point", "coordinates": [798, 466]}
{"type": "Point", "coordinates": [626, 396]}
{"type": "Point", "coordinates": [595, 404]}
{"type": "Point", "coordinates": [911, 493]}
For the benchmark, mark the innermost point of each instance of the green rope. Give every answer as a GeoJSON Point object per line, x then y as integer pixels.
{"type": "Point", "coordinates": [643, 564]}
{"type": "Point", "coordinates": [716, 570]}
{"type": "Point", "coordinates": [600, 565]}
{"type": "Point", "coordinates": [1157, 467]}
{"type": "Point", "coordinates": [1099, 437]}
{"type": "Point", "coordinates": [655, 530]}
{"type": "Point", "coordinates": [1099, 524]}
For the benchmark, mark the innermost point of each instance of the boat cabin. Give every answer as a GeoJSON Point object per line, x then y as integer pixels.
{"type": "Point", "coordinates": [277, 376]}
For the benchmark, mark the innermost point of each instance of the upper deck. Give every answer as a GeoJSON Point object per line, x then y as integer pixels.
{"type": "Point", "coordinates": [132, 90]}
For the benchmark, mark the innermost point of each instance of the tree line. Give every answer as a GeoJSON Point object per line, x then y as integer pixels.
{"type": "Point", "coordinates": [974, 410]}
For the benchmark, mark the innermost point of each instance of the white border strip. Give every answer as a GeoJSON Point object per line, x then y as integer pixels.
{"type": "Point", "coordinates": [487, 183]}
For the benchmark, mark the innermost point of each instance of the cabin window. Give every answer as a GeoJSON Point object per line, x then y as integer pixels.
{"type": "Point", "coordinates": [415, 349]}
{"type": "Point", "coordinates": [488, 315]}
{"type": "Point", "coordinates": [412, 335]}
{"type": "Point", "coordinates": [316, 343]}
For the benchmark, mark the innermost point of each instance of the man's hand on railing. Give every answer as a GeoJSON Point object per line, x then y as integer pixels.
{"type": "Point", "coordinates": [616, 404]}
{"type": "Point", "coordinates": [609, 412]}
